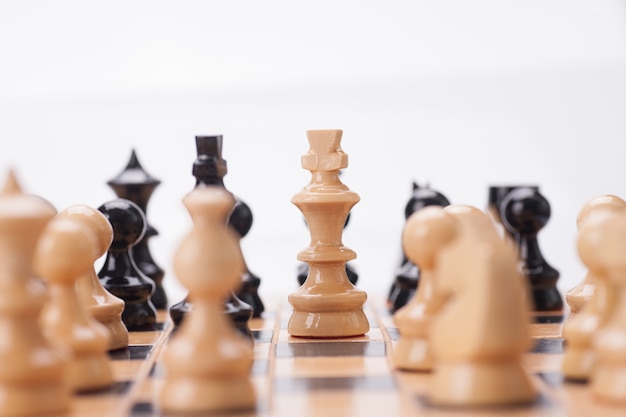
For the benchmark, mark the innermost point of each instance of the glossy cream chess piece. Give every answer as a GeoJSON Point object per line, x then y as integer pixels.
{"type": "Point", "coordinates": [208, 362]}
{"type": "Point", "coordinates": [65, 252]}
{"type": "Point", "coordinates": [100, 303]}
{"type": "Point", "coordinates": [601, 247]}
{"type": "Point", "coordinates": [589, 301]}
{"type": "Point", "coordinates": [32, 376]}
{"type": "Point", "coordinates": [425, 233]}
{"type": "Point", "coordinates": [327, 304]}
{"type": "Point", "coordinates": [480, 335]}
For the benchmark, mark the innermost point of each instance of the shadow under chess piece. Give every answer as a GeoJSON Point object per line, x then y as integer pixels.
{"type": "Point", "coordinates": [406, 280]}
{"type": "Point", "coordinates": [209, 168]}
{"type": "Point", "coordinates": [136, 185]}
{"type": "Point", "coordinates": [524, 212]}
{"type": "Point", "coordinates": [327, 305]}
{"type": "Point", "coordinates": [119, 274]}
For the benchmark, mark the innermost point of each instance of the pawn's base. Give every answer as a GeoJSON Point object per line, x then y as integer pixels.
{"type": "Point", "coordinates": [219, 394]}
{"type": "Point", "coordinates": [493, 383]}
{"type": "Point", "coordinates": [328, 324]}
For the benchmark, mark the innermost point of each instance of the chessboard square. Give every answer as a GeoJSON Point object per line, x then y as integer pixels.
{"type": "Point", "coordinates": [262, 336]}
{"type": "Point", "coordinates": [548, 346]}
{"type": "Point", "coordinates": [146, 337]}
{"type": "Point", "coordinates": [318, 348]}
{"type": "Point", "coordinates": [117, 388]}
{"type": "Point", "coordinates": [125, 370]}
{"type": "Point", "coordinates": [335, 367]}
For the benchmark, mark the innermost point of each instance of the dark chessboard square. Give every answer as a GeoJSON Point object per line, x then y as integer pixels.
{"type": "Point", "coordinates": [394, 333]}
{"type": "Point", "coordinates": [262, 336]}
{"type": "Point", "coordinates": [549, 319]}
{"type": "Point", "coordinates": [352, 383]}
{"type": "Point", "coordinates": [117, 388]}
{"type": "Point", "coordinates": [132, 352]}
{"type": "Point", "coordinates": [551, 346]}
{"type": "Point", "coordinates": [142, 409]}
{"type": "Point", "coordinates": [156, 327]}
{"type": "Point", "coordinates": [316, 349]}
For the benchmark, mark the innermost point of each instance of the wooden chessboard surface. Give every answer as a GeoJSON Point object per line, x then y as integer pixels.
{"type": "Point", "coordinates": [336, 377]}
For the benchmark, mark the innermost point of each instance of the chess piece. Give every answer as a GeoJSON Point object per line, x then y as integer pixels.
{"type": "Point", "coordinates": [578, 296]}
{"type": "Point", "coordinates": [524, 212]}
{"type": "Point", "coordinates": [64, 253]}
{"type": "Point", "coordinates": [32, 377]}
{"type": "Point", "coordinates": [408, 274]}
{"type": "Point", "coordinates": [481, 333]}
{"type": "Point", "coordinates": [327, 304]}
{"type": "Point", "coordinates": [601, 246]}
{"type": "Point", "coordinates": [207, 361]}
{"type": "Point", "coordinates": [424, 234]}
{"type": "Point", "coordinates": [100, 303]}
{"type": "Point", "coordinates": [209, 169]}
{"type": "Point", "coordinates": [497, 193]}
{"type": "Point", "coordinates": [136, 185]}
{"type": "Point", "coordinates": [119, 273]}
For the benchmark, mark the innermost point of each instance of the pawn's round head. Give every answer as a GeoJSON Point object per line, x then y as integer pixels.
{"type": "Point", "coordinates": [96, 221]}
{"type": "Point", "coordinates": [525, 211]}
{"type": "Point", "coordinates": [127, 220]}
{"type": "Point", "coordinates": [601, 244]}
{"type": "Point", "coordinates": [601, 202]}
{"type": "Point", "coordinates": [64, 250]}
{"type": "Point", "coordinates": [426, 231]}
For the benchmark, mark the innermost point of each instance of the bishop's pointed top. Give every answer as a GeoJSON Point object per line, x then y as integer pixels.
{"type": "Point", "coordinates": [11, 185]}
{"type": "Point", "coordinates": [134, 174]}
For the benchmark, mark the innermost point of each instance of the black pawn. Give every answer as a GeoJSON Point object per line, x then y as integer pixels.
{"type": "Point", "coordinates": [119, 274]}
{"type": "Point", "coordinates": [303, 267]}
{"type": "Point", "coordinates": [209, 169]}
{"type": "Point", "coordinates": [136, 185]}
{"type": "Point", "coordinates": [524, 212]}
{"type": "Point", "coordinates": [407, 275]}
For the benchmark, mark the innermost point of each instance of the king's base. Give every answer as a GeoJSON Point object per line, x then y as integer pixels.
{"type": "Point", "coordinates": [328, 324]}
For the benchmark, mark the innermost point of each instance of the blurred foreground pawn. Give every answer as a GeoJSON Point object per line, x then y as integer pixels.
{"type": "Point", "coordinates": [601, 247]}
{"type": "Point", "coordinates": [408, 274]}
{"type": "Point", "coordinates": [590, 300]}
{"type": "Point", "coordinates": [136, 185]}
{"type": "Point", "coordinates": [578, 296]}
{"type": "Point", "coordinates": [32, 378]}
{"type": "Point", "coordinates": [327, 304]}
{"type": "Point", "coordinates": [481, 333]}
{"type": "Point", "coordinates": [524, 212]}
{"type": "Point", "coordinates": [208, 363]}
{"type": "Point", "coordinates": [119, 274]}
{"type": "Point", "coordinates": [209, 169]}
{"type": "Point", "coordinates": [424, 234]}
{"type": "Point", "coordinates": [64, 253]}
{"type": "Point", "coordinates": [101, 304]}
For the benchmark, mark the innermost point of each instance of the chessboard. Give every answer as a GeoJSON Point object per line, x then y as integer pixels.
{"type": "Point", "coordinates": [334, 377]}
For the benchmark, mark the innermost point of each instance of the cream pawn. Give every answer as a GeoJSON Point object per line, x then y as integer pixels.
{"type": "Point", "coordinates": [208, 362]}
{"type": "Point", "coordinates": [588, 301]}
{"type": "Point", "coordinates": [64, 253]}
{"type": "Point", "coordinates": [425, 233]}
{"type": "Point", "coordinates": [100, 303]}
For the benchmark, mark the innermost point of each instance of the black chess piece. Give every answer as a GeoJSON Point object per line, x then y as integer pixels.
{"type": "Point", "coordinates": [524, 212]}
{"type": "Point", "coordinates": [407, 275]}
{"type": "Point", "coordinates": [136, 185]}
{"type": "Point", "coordinates": [497, 193]}
{"type": "Point", "coordinates": [209, 169]}
{"type": "Point", "coordinates": [303, 267]}
{"type": "Point", "coordinates": [119, 273]}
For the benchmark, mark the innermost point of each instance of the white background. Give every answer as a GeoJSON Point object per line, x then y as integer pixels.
{"type": "Point", "coordinates": [458, 94]}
